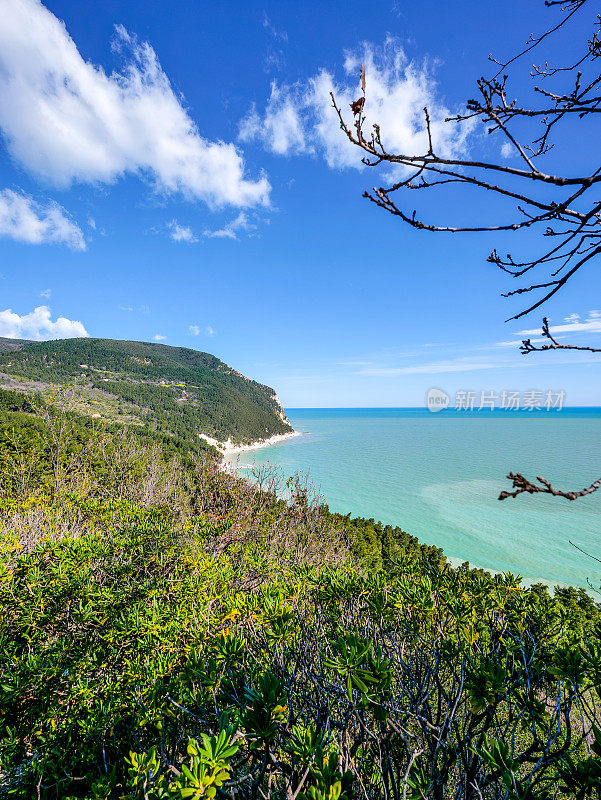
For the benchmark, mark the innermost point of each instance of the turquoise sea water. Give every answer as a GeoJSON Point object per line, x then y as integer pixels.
{"type": "Point", "coordinates": [438, 477]}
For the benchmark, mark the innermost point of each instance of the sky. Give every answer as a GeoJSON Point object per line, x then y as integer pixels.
{"type": "Point", "coordinates": [174, 172]}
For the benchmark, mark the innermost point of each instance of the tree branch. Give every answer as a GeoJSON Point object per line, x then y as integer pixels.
{"type": "Point", "coordinates": [527, 346]}
{"type": "Point", "coordinates": [561, 203]}
{"type": "Point", "coordinates": [521, 484]}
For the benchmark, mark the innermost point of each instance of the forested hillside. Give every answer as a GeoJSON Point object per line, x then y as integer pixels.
{"type": "Point", "coordinates": [170, 392]}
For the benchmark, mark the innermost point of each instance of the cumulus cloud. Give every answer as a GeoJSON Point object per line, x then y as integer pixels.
{"type": "Point", "coordinates": [231, 229]}
{"type": "Point", "coordinates": [67, 120]}
{"type": "Point", "coordinates": [180, 233]}
{"type": "Point", "coordinates": [299, 118]}
{"type": "Point", "coordinates": [282, 128]}
{"type": "Point", "coordinates": [38, 326]}
{"type": "Point", "coordinates": [194, 330]}
{"type": "Point", "coordinates": [25, 220]}
{"type": "Point", "coordinates": [158, 337]}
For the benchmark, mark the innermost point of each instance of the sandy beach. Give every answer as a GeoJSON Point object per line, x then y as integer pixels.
{"type": "Point", "coordinates": [229, 448]}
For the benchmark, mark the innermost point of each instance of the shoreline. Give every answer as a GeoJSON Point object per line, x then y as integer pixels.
{"type": "Point", "coordinates": [228, 448]}
{"type": "Point", "coordinates": [231, 465]}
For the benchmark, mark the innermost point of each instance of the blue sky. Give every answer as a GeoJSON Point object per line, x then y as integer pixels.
{"type": "Point", "coordinates": [172, 171]}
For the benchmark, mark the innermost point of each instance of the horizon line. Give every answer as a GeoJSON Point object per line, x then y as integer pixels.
{"type": "Point", "coordinates": [425, 408]}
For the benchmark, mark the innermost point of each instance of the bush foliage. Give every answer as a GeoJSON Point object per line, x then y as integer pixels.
{"type": "Point", "coordinates": [168, 630]}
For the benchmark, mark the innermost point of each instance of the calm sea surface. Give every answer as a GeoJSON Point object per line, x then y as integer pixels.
{"type": "Point", "coordinates": [438, 477]}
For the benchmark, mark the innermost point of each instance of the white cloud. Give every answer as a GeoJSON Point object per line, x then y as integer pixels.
{"type": "Point", "coordinates": [472, 362]}
{"type": "Point", "coordinates": [506, 150]}
{"type": "Point", "coordinates": [143, 309]}
{"type": "Point", "coordinates": [282, 129]}
{"type": "Point", "coordinates": [515, 343]}
{"type": "Point", "coordinates": [46, 293]}
{"type": "Point", "coordinates": [25, 220]}
{"type": "Point", "coordinates": [179, 233]}
{"type": "Point", "coordinates": [299, 118]}
{"type": "Point", "coordinates": [230, 229]}
{"type": "Point", "coordinates": [67, 120]}
{"type": "Point", "coordinates": [158, 337]}
{"type": "Point", "coordinates": [196, 330]}
{"type": "Point", "coordinates": [434, 368]}
{"type": "Point", "coordinates": [38, 326]}
{"type": "Point", "coordinates": [592, 324]}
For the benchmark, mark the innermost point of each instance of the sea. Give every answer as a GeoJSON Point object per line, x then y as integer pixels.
{"type": "Point", "coordinates": [438, 476]}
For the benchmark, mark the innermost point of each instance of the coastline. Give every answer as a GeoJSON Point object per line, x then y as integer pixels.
{"type": "Point", "coordinates": [364, 460]}
{"type": "Point", "coordinates": [229, 448]}
{"type": "Point", "coordinates": [234, 462]}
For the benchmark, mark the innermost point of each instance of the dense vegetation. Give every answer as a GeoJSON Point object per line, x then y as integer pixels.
{"type": "Point", "coordinates": [168, 630]}
{"type": "Point", "coordinates": [25, 437]}
{"type": "Point", "coordinates": [172, 391]}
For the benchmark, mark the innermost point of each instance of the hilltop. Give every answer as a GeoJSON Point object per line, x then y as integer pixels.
{"type": "Point", "coordinates": [172, 393]}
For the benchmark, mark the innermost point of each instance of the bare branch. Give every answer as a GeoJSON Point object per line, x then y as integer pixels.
{"type": "Point", "coordinates": [561, 204]}
{"type": "Point", "coordinates": [521, 484]}
{"type": "Point", "coordinates": [561, 207]}
{"type": "Point", "coordinates": [528, 347]}
{"type": "Point", "coordinates": [534, 41]}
